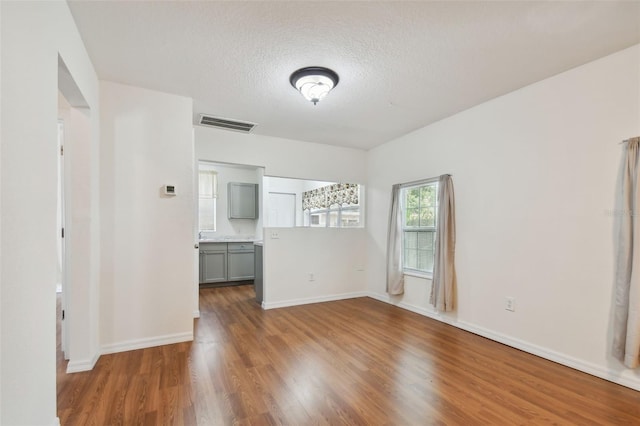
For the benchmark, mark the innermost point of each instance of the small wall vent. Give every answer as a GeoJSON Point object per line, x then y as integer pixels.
{"type": "Point", "coordinates": [226, 123]}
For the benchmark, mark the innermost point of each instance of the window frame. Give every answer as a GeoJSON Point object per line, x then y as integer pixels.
{"type": "Point", "coordinates": [426, 229]}
{"type": "Point", "coordinates": [213, 199]}
{"type": "Point", "coordinates": [337, 209]}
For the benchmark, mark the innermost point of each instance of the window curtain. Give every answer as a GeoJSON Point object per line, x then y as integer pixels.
{"type": "Point", "coordinates": [444, 271]}
{"type": "Point", "coordinates": [337, 194]}
{"type": "Point", "coordinates": [207, 184]}
{"type": "Point", "coordinates": [395, 277]}
{"type": "Point", "coordinates": [626, 337]}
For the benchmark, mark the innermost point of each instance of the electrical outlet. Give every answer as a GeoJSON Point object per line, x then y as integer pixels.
{"type": "Point", "coordinates": [510, 304]}
{"type": "Point", "coordinates": [274, 235]}
{"type": "Point", "coordinates": [312, 276]}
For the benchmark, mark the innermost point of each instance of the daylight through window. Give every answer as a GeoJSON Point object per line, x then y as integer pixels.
{"type": "Point", "coordinates": [419, 207]}
{"type": "Point", "coordinates": [207, 194]}
{"type": "Point", "coordinates": [333, 206]}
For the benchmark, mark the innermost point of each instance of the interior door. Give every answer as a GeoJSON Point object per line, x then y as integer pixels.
{"type": "Point", "coordinates": [196, 234]}
{"type": "Point", "coordinates": [282, 210]}
{"type": "Point", "coordinates": [60, 285]}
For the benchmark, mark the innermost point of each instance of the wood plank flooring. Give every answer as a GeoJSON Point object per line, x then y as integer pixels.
{"type": "Point", "coordinates": [356, 361]}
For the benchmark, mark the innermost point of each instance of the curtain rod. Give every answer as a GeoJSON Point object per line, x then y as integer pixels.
{"type": "Point", "coordinates": [417, 182]}
{"type": "Point", "coordinates": [627, 140]}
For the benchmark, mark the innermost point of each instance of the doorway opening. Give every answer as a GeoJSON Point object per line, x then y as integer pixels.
{"type": "Point", "coordinates": [76, 207]}
{"type": "Point", "coordinates": [60, 243]}
{"type": "Point", "coordinates": [228, 215]}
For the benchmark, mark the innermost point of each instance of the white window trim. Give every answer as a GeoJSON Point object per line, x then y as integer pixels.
{"type": "Point", "coordinates": [339, 210]}
{"type": "Point", "coordinates": [335, 208]}
{"type": "Point", "coordinates": [417, 183]}
{"type": "Point", "coordinates": [417, 274]}
{"type": "Point", "coordinates": [212, 197]}
{"type": "Point", "coordinates": [409, 185]}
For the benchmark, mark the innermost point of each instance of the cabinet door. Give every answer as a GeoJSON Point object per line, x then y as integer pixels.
{"type": "Point", "coordinates": [242, 200]}
{"type": "Point", "coordinates": [214, 267]}
{"type": "Point", "coordinates": [241, 266]}
{"type": "Point", "coordinates": [258, 280]}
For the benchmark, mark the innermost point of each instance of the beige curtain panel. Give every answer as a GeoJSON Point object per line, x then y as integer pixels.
{"type": "Point", "coordinates": [395, 276]}
{"type": "Point", "coordinates": [444, 270]}
{"type": "Point", "coordinates": [626, 338]}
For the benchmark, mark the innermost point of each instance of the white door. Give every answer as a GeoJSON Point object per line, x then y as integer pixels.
{"type": "Point", "coordinates": [282, 210]}
{"type": "Point", "coordinates": [60, 284]}
{"type": "Point", "coordinates": [196, 234]}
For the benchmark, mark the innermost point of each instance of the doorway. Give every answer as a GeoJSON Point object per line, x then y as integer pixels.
{"type": "Point", "coordinates": [60, 244]}
{"type": "Point", "coordinates": [77, 190]}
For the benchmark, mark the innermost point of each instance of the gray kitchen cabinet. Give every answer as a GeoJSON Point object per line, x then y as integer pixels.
{"type": "Point", "coordinates": [258, 281]}
{"type": "Point", "coordinates": [221, 262]}
{"type": "Point", "coordinates": [240, 261]}
{"type": "Point", "coordinates": [242, 200]}
{"type": "Point", "coordinates": [213, 262]}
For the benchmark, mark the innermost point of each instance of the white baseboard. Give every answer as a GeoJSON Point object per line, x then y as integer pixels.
{"type": "Point", "coordinates": [150, 342]}
{"type": "Point", "coordinates": [196, 313]}
{"type": "Point", "coordinates": [568, 361]}
{"type": "Point", "coordinates": [319, 299]}
{"type": "Point", "coordinates": [82, 365]}
{"type": "Point", "coordinates": [130, 345]}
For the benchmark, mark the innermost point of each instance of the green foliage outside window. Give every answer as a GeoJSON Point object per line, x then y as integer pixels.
{"type": "Point", "coordinates": [419, 207]}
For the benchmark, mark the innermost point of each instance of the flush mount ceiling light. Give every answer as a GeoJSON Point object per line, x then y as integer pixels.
{"type": "Point", "coordinates": [314, 82]}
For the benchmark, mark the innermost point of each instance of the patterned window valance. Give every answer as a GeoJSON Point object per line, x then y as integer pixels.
{"type": "Point", "coordinates": [337, 194]}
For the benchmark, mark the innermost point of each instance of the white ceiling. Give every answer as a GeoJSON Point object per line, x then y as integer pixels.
{"type": "Point", "coordinates": [402, 65]}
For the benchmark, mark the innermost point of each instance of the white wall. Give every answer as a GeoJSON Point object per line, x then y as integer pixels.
{"type": "Point", "coordinates": [148, 249]}
{"type": "Point", "coordinates": [81, 284]}
{"type": "Point", "coordinates": [234, 227]}
{"type": "Point", "coordinates": [534, 173]}
{"type": "Point", "coordinates": [337, 251]}
{"type": "Point", "coordinates": [281, 157]}
{"type": "Point", "coordinates": [336, 258]}
{"type": "Point", "coordinates": [28, 197]}
{"type": "Point", "coordinates": [1, 275]}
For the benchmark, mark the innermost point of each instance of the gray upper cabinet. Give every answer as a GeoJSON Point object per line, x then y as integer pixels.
{"type": "Point", "coordinates": [242, 200]}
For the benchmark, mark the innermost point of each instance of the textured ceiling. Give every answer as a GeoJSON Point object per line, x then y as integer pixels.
{"type": "Point", "coordinates": [402, 65]}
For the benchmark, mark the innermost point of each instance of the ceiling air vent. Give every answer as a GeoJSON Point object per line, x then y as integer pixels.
{"type": "Point", "coordinates": [226, 123]}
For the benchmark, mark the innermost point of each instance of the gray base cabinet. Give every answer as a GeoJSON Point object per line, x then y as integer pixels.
{"type": "Point", "coordinates": [221, 262]}
{"type": "Point", "coordinates": [258, 280]}
{"type": "Point", "coordinates": [213, 263]}
{"type": "Point", "coordinates": [240, 261]}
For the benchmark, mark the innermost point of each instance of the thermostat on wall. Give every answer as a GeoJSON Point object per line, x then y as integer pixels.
{"type": "Point", "coordinates": [169, 190]}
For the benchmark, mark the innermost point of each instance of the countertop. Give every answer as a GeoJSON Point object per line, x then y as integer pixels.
{"type": "Point", "coordinates": [228, 240]}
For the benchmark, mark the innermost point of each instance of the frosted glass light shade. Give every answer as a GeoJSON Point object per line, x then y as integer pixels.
{"type": "Point", "coordinates": [314, 82]}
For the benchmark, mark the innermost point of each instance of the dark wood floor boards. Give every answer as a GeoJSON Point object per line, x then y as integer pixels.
{"type": "Point", "coordinates": [355, 362]}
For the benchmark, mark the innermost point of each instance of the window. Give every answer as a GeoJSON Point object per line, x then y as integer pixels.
{"type": "Point", "coordinates": [419, 208]}
{"type": "Point", "coordinates": [207, 194]}
{"type": "Point", "coordinates": [333, 206]}
{"type": "Point", "coordinates": [338, 217]}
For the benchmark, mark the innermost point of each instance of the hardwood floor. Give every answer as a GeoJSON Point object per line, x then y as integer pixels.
{"type": "Point", "coordinates": [356, 361]}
